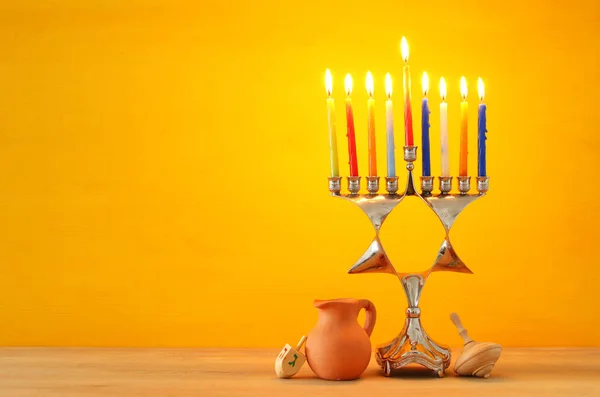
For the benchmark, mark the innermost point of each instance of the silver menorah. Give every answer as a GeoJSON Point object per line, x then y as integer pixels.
{"type": "Point", "coordinates": [412, 345]}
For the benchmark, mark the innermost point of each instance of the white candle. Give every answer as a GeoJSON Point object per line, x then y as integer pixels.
{"type": "Point", "coordinates": [444, 129]}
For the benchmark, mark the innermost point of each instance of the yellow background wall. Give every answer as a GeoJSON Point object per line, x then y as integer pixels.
{"type": "Point", "coordinates": [163, 169]}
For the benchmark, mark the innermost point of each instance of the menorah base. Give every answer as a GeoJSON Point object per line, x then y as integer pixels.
{"type": "Point", "coordinates": [413, 345]}
{"type": "Point", "coordinates": [418, 349]}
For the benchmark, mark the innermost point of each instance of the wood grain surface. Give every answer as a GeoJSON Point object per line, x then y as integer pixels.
{"type": "Point", "coordinates": [249, 372]}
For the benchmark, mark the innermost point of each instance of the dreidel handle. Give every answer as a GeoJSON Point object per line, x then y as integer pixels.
{"type": "Point", "coordinates": [461, 330]}
{"type": "Point", "coordinates": [301, 342]}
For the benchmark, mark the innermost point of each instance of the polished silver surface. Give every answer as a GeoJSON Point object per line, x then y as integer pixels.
{"type": "Point", "coordinates": [373, 184]}
{"type": "Point", "coordinates": [376, 207]}
{"type": "Point", "coordinates": [413, 344]}
{"type": "Point", "coordinates": [464, 184]}
{"type": "Point", "coordinates": [391, 184]}
{"type": "Point", "coordinates": [410, 154]}
{"type": "Point", "coordinates": [354, 184]}
{"type": "Point", "coordinates": [426, 185]}
{"type": "Point", "coordinates": [374, 260]}
{"type": "Point", "coordinates": [445, 184]}
{"type": "Point", "coordinates": [449, 206]}
{"type": "Point", "coordinates": [335, 184]}
{"type": "Point", "coordinates": [483, 184]}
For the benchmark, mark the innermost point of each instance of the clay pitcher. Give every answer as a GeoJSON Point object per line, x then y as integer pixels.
{"type": "Point", "coordinates": [339, 348]}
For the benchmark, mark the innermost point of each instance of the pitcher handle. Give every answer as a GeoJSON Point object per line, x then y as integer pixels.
{"type": "Point", "coordinates": [370, 315]}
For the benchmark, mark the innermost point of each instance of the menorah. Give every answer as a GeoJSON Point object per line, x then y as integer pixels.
{"type": "Point", "coordinates": [412, 345]}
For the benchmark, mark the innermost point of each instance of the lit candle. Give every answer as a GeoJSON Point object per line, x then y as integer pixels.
{"type": "Point", "coordinates": [444, 129]}
{"type": "Point", "coordinates": [371, 126]}
{"type": "Point", "coordinates": [389, 118]}
{"type": "Point", "coordinates": [352, 159]}
{"type": "Point", "coordinates": [481, 130]}
{"type": "Point", "coordinates": [425, 127]}
{"type": "Point", "coordinates": [464, 127]}
{"type": "Point", "coordinates": [408, 129]}
{"type": "Point", "coordinates": [333, 154]}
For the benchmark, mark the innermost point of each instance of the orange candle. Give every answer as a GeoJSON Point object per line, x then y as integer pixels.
{"type": "Point", "coordinates": [464, 126]}
{"type": "Point", "coordinates": [371, 127]}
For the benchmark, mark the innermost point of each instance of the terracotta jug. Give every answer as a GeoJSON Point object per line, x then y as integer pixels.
{"type": "Point", "coordinates": [339, 348]}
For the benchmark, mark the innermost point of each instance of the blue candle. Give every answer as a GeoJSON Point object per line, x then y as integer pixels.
{"type": "Point", "coordinates": [425, 127]}
{"type": "Point", "coordinates": [481, 131]}
{"type": "Point", "coordinates": [389, 116]}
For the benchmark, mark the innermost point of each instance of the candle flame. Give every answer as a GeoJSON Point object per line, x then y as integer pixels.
{"type": "Point", "coordinates": [443, 89]}
{"type": "Point", "coordinates": [480, 89]}
{"type": "Point", "coordinates": [404, 49]}
{"type": "Point", "coordinates": [348, 84]}
{"type": "Point", "coordinates": [388, 85]}
{"type": "Point", "coordinates": [370, 84]}
{"type": "Point", "coordinates": [463, 88]}
{"type": "Point", "coordinates": [328, 82]}
{"type": "Point", "coordinates": [425, 83]}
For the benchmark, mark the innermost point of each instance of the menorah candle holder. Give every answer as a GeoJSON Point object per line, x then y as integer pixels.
{"type": "Point", "coordinates": [373, 184]}
{"type": "Point", "coordinates": [412, 345]}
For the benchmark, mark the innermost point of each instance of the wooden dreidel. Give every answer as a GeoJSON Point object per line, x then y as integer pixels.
{"type": "Point", "coordinates": [290, 360]}
{"type": "Point", "coordinates": [477, 358]}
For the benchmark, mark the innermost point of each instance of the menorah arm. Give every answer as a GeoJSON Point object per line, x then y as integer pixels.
{"type": "Point", "coordinates": [449, 261]}
{"type": "Point", "coordinates": [374, 260]}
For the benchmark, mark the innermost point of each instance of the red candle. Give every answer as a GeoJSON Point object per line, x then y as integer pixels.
{"type": "Point", "coordinates": [408, 128]}
{"type": "Point", "coordinates": [352, 160]}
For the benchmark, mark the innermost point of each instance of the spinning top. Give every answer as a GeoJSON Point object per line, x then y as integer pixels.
{"type": "Point", "coordinates": [289, 360]}
{"type": "Point", "coordinates": [477, 358]}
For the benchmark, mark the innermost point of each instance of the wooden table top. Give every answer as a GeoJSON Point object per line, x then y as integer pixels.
{"type": "Point", "coordinates": [112, 372]}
